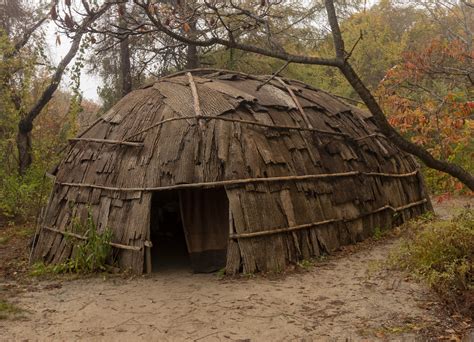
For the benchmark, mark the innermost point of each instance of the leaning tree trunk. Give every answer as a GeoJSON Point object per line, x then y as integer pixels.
{"type": "Point", "coordinates": [382, 123]}
{"type": "Point", "coordinates": [26, 123]}
{"type": "Point", "coordinates": [395, 137]}
{"type": "Point", "coordinates": [23, 141]}
{"type": "Point", "coordinates": [192, 58]}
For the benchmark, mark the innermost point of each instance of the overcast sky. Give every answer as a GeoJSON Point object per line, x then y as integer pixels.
{"type": "Point", "coordinates": [89, 82]}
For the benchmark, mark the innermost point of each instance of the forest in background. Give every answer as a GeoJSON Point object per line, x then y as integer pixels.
{"type": "Point", "coordinates": [416, 57]}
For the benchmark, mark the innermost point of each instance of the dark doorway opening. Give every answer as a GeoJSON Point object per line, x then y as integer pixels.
{"type": "Point", "coordinates": [169, 251]}
{"type": "Point", "coordinates": [189, 230]}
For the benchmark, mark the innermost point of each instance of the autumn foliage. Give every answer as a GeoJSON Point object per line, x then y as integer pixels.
{"type": "Point", "coordinates": [428, 97]}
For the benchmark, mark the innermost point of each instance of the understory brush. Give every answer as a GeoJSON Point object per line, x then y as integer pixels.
{"type": "Point", "coordinates": [442, 254]}
{"type": "Point", "coordinates": [90, 255]}
{"type": "Point", "coordinates": [22, 196]}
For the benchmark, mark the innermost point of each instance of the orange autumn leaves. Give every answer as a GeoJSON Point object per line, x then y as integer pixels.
{"type": "Point", "coordinates": [429, 98]}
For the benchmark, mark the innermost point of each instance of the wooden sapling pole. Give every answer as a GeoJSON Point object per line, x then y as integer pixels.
{"type": "Point", "coordinates": [80, 237]}
{"type": "Point", "coordinates": [320, 223]}
{"type": "Point", "coordinates": [205, 185]}
{"type": "Point", "coordinates": [107, 141]}
{"type": "Point", "coordinates": [197, 105]}
{"type": "Point", "coordinates": [273, 75]}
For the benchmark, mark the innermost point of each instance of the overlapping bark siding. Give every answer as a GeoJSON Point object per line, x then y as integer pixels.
{"type": "Point", "coordinates": [242, 133]}
{"type": "Point", "coordinates": [276, 206]}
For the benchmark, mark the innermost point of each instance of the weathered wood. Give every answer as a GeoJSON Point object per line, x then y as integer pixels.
{"type": "Point", "coordinates": [315, 224]}
{"type": "Point", "coordinates": [277, 171]}
{"type": "Point", "coordinates": [297, 103]}
{"type": "Point", "coordinates": [107, 141]}
{"type": "Point", "coordinates": [240, 181]}
{"type": "Point", "coordinates": [77, 236]}
{"type": "Point", "coordinates": [196, 103]}
{"type": "Point", "coordinates": [246, 122]}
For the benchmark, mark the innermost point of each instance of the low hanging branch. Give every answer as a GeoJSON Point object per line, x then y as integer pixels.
{"type": "Point", "coordinates": [341, 61]}
{"type": "Point", "coordinates": [152, 18]}
{"type": "Point", "coordinates": [382, 123]}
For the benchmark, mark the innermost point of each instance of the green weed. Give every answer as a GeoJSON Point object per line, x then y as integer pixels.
{"type": "Point", "coordinates": [4, 239]}
{"type": "Point", "coordinates": [9, 311]}
{"type": "Point", "coordinates": [22, 196]}
{"type": "Point", "coordinates": [306, 264]}
{"type": "Point", "coordinates": [378, 233]}
{"type": "Point", "coordinates": [221, 273]}
{"type": "Point", "coordinates": [90, 255]}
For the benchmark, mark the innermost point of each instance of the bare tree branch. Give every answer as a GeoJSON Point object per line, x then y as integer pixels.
{"type": "Point", "coordinates": [25, 125]}
{"type": "Point", "coordinates": [26, 36]}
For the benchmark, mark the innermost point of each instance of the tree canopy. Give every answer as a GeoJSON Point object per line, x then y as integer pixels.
{"type": "Point", "coordinates": [408, 62]}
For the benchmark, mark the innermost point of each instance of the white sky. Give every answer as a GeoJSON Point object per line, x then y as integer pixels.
{"type": "Point", "coordinates": [89, 81]}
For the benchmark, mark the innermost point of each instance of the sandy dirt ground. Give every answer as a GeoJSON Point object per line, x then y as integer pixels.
{"type": "Point", "coordinates": [345, 298]}
{"type": "Point", "coordinates": [340, 299]}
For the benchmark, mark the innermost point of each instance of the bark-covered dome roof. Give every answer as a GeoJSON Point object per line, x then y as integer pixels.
{"type": "Point", "coordinates": [213, 125]}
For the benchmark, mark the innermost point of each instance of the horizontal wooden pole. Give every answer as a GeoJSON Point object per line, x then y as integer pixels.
{"type": "Point", "coordinates": [246, 122]}
{"type": "Point", "coordinates": [320, 223]}
{"type": "Point", "coordinates": [113, 244]}
{"type": "Point", "coordinates": [369, 136]}
{"type": "Point", "coordinates": [391, 175]}
{"type": "Point", "coordinates": [107, 141]}
{"type": "Point", "coordinates": [281, 230]}
{"type": "Point", "coordinates": [240, 181]}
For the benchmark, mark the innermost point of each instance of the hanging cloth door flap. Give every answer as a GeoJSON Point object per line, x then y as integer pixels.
{"type": "Point", "coordinates": [205, 215]}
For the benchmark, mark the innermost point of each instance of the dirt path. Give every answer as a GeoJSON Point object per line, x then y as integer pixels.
{"type": "Point", "coordinates": [347, 297]}
{"type": "Point", "coordinates": [336, 300]}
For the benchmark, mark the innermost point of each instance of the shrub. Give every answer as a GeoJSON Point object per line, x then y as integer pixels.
{"type": "Point", "coordinates": [22, 197]}
{"type": "Point", "coordinates": [441, 253]}
{"type": "Point", "coordinates": [91, 255]}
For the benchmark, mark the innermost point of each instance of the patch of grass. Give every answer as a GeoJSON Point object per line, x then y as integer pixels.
{"type": "Point", "coordinates": [89, 256]}
{"type": "Point", "coordinates": [4, 239]}
{"type": "Point", "coordinates": [441, 253]}
{"type": "Point", "coordinates": [25, 232]}
{"type": "Point", "coordinates": [249, 275]}
{"type": "Point", "coordinates": [378, 233]}
{"type": "Point", "coordinates": [9, 311]}
{"type": "Point", "coordinates": [385, 332]}
{"type": "Point", "coordinates": [221, 273]}
{"type": "Point", "coordinates": [306, 264]}
{"type": "Point", "coordinates": [16, 232]}
{"type": "Point", "coordinates": [321, 258]}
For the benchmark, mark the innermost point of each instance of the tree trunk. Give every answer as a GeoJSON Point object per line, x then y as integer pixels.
{"type": "Point", "coordinates": [192, 58]}
{"type": "Point", "coordinates": [381, 120]}
{"type": "Point", "coordinates": [125, 67]}
{"type": "Point", "coordinates": [23, 143]}
{"type": "Point", "coordinates": [395, 137]}
{"type": "Point", "coordinates": [25, 125]}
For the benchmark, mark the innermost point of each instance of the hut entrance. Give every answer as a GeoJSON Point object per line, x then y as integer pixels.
{"type": "Point", "coordinates": [189, 228]}
{"type": "Point", "coordinates": [166, 233]}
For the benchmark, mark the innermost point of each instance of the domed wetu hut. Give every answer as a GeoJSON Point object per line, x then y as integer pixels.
{"type": "Point", "coordinates": [252, 173]}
